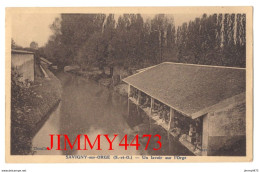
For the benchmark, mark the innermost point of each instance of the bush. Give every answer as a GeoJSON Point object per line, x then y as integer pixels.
{"type": "Point", "coordinates": [20, 139]}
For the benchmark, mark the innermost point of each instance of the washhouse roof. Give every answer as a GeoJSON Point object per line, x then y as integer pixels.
{"type": "Point", "coordinates": [188, 88]}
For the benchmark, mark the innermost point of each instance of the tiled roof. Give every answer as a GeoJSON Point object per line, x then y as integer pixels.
{"type": "Point", "coordinates": [189, 88]}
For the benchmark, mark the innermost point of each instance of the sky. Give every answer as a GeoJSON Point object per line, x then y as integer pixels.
{"type": "Point", "coordinates": [36, 27]}
{"type": "Point", "coordinates": [32, 27]}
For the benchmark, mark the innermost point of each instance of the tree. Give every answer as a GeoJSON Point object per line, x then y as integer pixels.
{"type": "Point", "coordinates": [34, 45]}
{"type": "Point", "coordinates": [13, 45]}
{"type": "Point", "coordinates": [99, 40]}
{"type": "Point", "coordinates": [108, 35]}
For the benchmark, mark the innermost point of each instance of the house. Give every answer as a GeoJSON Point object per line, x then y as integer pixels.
{"type": "Point", "coordinates": [24, 62]}
{"type": "Point", "coordinates": [201, 105]}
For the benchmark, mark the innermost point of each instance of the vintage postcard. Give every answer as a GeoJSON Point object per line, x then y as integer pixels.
{"type": "Point", "coordinates": [136, 84]}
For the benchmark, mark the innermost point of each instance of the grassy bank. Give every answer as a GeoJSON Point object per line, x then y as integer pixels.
{"type": "Point", "coordinates": [30, 107]}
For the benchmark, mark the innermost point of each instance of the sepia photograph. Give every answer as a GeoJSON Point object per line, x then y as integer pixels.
{"type": "Point", "coordinates": [126, 85]}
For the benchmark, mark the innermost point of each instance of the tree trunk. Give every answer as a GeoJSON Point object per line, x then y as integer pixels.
{"type": "Point", "coordinates": [111, 71]}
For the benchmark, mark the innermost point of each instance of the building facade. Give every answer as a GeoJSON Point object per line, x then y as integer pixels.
{"type": "Point", "coordinates": [23, 62]}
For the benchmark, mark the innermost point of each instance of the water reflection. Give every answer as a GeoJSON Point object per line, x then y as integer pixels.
{"type": "Point", "coordinates": [87, 108]}
{"type": "Point", "coordinates": [42, 139]}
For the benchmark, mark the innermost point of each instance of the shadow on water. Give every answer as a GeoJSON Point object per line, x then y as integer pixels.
{"type": "Point", "coordinates": [87, 108]}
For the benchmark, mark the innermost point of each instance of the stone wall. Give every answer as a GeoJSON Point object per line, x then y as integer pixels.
{"type": "Point", "coordinates": [228, 122]}
{"type": "Point", "coordinates": [227, 131]}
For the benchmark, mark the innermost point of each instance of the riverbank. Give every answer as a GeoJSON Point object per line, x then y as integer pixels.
{"type": "Point", "coordinates": [104, 79]}
{"type": "Point", "coordinates": [30, 109]}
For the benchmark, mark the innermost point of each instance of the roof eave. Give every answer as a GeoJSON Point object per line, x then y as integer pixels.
{"type": "Point", "coordinates": [237, 99]}
{"type": "Point", "coordinates": [183, 113]}
{"type": "Point", "coordinates": [21, 52]}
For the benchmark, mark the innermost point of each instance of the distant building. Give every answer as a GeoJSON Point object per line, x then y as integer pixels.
{"type": "Point", "coordinates": [203, 106]}
{"type": "Point", "coordinates": [23, 61]}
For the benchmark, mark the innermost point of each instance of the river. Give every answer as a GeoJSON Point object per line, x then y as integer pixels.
{"type": "Point", "coordinates": [89, 108]}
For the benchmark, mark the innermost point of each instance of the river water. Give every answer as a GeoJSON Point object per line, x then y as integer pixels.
{"type": "Point", "coordinates": [89, 108]}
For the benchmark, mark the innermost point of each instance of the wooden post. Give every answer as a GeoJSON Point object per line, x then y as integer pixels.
{"type": "Point", "coordinates": [129, 91]}
{"type": "Point", "coordinates": [139, 96]}
{"type": "Point", "coordinates": [205, 135]}
{"type": "Point", "coordinates": [152, 105]}
{"type": "Point", "coordinates": [169, 126]}
{"type": "Point", "coordinates": [151, 113]}
{"type": "Point", "coordinates": [169, 142]}
{"type": "Point", "coordinates": [171, 116]}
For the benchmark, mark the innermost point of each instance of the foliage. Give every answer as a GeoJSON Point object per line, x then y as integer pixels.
{"type": "Point", "coordinates": [30, 104]}
{"type": "Point", "coordinates": [20, 143]}
{"type": "Point", "coordinates": [100, 40]}
{"type": "Point", "coordinates": [218, 39]}
{"type": "Point", "coordinates": [14, 45]}
{"type": "Point", "coordinates": [34, 45]}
